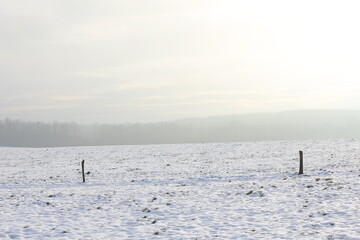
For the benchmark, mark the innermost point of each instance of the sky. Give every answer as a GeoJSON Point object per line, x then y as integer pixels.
{"type": "Point", "coordinates": [121, 61]}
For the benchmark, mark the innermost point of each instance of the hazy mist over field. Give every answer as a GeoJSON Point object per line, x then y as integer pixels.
{"type": "Point", "coordinates": [292, 125]}
{"type": "Point", "coordinates": [147, 61]}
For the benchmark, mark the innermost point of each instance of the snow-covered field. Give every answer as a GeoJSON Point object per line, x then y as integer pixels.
{"type": "Point", "coordinates": [189, 191]}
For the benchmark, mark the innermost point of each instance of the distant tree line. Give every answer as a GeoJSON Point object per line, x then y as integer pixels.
{"type": "Point", "coordinates": [248, 127]}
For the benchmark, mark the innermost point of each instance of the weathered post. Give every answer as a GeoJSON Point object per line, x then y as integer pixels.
{"type": "Point", "coordinates": [83, 169]}
{"type": "Point", "coordinates": [301, 170]}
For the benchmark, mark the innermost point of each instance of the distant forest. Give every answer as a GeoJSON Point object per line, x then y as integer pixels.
{"type": "Point", "coordinates": [291, 125]}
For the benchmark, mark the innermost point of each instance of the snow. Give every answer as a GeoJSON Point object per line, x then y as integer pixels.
{"type": "Point", "coordinates": [191, 191]}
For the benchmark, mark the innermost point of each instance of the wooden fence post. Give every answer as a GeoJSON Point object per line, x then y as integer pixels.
{"type": "Point", "coordinates": [301, 169]}
{"type": "Point", "coordinates": [83, 169]}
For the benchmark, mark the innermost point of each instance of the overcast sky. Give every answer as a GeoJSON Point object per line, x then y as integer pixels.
{"type": "Point", "coordinates": [117, 61]}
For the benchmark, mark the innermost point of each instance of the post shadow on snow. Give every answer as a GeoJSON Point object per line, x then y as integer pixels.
{"type": "Point", "coordinates": [203, 180]}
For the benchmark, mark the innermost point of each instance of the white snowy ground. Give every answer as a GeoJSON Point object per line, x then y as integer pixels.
{"type": "Point", "coordinates": [193, 191]}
